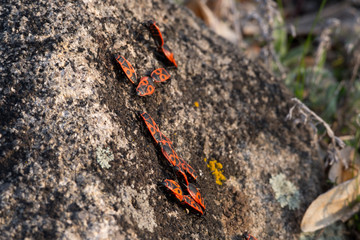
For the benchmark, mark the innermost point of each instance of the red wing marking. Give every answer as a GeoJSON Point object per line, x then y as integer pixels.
{"type": "Point", "coordinates": [174, 188]}
{"type": "Point", "coordinates": [127, 68]}
{"type": "Point", "coordinates": [165, 140]}
{"type": "Point", "coordinates": [145, 87]}
{"type": "Point", "coordinates": [160, 75]}
{"type": "Point", "coordinates": [151, 125]}
{"type": "Point", "coordinates": [188, 169]}
{"type": "Point", "coordinates": [168, 54]}
{"type": "Point", "coordinates": [155, 33]}
{"type": "Point", "coordinates": [195, 194]}
{"type": "Point", "coordinates": [191, 203]}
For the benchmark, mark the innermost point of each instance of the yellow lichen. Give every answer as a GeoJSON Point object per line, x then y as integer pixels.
{"type": "Point", "coordinates": [196, 104]}
{"type": "Point", "coordinates": [216, 170]}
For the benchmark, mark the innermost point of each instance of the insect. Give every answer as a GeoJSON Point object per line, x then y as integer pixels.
{"type": "Point", "coordinates": [248, 236]}
{"type": "Point", "coordinates": [160, 75]}
{"type": "Point", "coordinates": [180, 167]}
{"type": "Point", "coordinates": [195, 194]}
{"type": "Point", "coordinates": [146, 86]}
{"type": "Point", "coordinates": [169, 55]}
{"type": "Point", "coordinates": [188, 169]}
{"type": "Point", "coordinates": [190, 202]}
{"type": "Point", "coordinates": [127, 68]}
{"type": "Point", "coordinates": [175, 189]}
{"type": "Point", "coordinates": [181, 176]}
{"type": "Point", "coordinates": [159, 41]}
{"type": "Point", "coordinates": [166, 147]}
{"type": "Point", "coordinates": [165, 140]}
{"type": "Point", "coordinates": [151, 125]}
{"type": "Point", "coordinates": [155, 32]}
{"type": "Point", "coordinates": [170, 154]}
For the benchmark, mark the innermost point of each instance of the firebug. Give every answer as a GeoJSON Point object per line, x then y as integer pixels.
{"type": "Point", "coordinates": [160, 75]}
{"type": "Point", "coordinates": [181, 176]}
{"type": "Point", "coordinates": [191, 203]}
{"type": "Point", "coordinates": [170, 154]}
{"type": "Point", "coordinates": [151, 125]}
{"type": "Point", "coordinates": [188, 169]}
{"type": "Point", "coordinates": [155, 32]}
{"type": "Point", "coordinates": [195, 194]}
{"type": "Point", "coordinates": [174, 188]}
{"type": "Point", "coordinates": [146, 86]}
{"type": "Point", "coordinates": [127, 68]}
{"type": "Point", "coordinates": [169, 55]}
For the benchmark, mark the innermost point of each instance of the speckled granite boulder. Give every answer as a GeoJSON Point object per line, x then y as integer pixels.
{"type": "Point", "coordinates": [64, 104]}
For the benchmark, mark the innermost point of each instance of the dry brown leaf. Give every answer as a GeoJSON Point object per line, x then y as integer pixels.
{"type": "Point", "coordinates": [338, 173]}
{"type": "Point", "coordinates": [201, 10]}
{"type": "Point", "coordinates": [204, 12]}
{"type": "Point", "coordinates": [336, 204]}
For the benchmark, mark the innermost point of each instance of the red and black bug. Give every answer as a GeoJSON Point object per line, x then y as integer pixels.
{"type": "Point", "coordinates": [196, 195]}
{"type": "Point", "coordinates": [127, 68]}
{"type": "Point", "coordinates": [170, 154]}
{"type": "Point", "coordinates": [165, 140]}
{"type": "Point", "coordinates": [180, 167]}
{"type": "Point", "coordinates": [155, 32]}
{"type": "Point", "coordinates": [181, 175]}
{"type": "Point", "coordinates": [166, 147]}
{"type": "Point", "coordinates": [247, 236]}
{"type": "Point", "coordinates": [146, 86]}
{"type": "Point", "coordinates": [153, 128]}
{"type": "Point", "coordinates": [160, 75]}
{"type": "Point", "coordinates": [174, 188]}
{"type": "Point", "coordinates": [191, 189]}
{"type": "Point", "coordinates": [169, 55]}
{"type": "Point", "coordinates": [188, 169]}
{"type": "Point", "coordinates": [190, 202]}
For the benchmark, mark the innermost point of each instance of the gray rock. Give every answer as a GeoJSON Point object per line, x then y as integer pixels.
{"type": "Point", "coordinates": [62, 98]}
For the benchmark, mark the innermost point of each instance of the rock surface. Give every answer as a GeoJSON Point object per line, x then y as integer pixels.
{"type": "Point", "coordinates": [63, 98]}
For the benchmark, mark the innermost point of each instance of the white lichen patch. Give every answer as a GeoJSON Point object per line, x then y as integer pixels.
{"type": "Point", "coordinates": [286, 192]}
{"type": "Point", "coordinates": [104, 156]}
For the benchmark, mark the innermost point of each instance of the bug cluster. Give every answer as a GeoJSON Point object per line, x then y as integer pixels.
{"type": "Point", "coordinates": [146, 85]}
{"type": "Point", "coordinates": [185, 192]}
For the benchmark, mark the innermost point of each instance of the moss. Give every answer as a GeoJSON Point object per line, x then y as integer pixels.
{"type": "Point", "coordinates": [104, 156]}
{"type": "Point", "coordinates": [285, 192]}
{"type": "Point", "coordinates": [216, 170]}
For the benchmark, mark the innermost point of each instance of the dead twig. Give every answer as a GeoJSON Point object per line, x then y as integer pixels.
{"type": "Point", "coordinates": [308, 116]}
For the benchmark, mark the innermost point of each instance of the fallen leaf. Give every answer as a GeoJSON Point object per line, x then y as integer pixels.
{"type": "Point", "coordinates": [204, 12]}
{"type": "Point", "coordinates": [336, 204]}
{"type": "Point", "coordinates": [338, 173]}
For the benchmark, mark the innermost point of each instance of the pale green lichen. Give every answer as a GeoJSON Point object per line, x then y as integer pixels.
{"type": "Point", "coordinates": [285, 192]}
{"type": "Point", "coordinates": [104, 156]}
